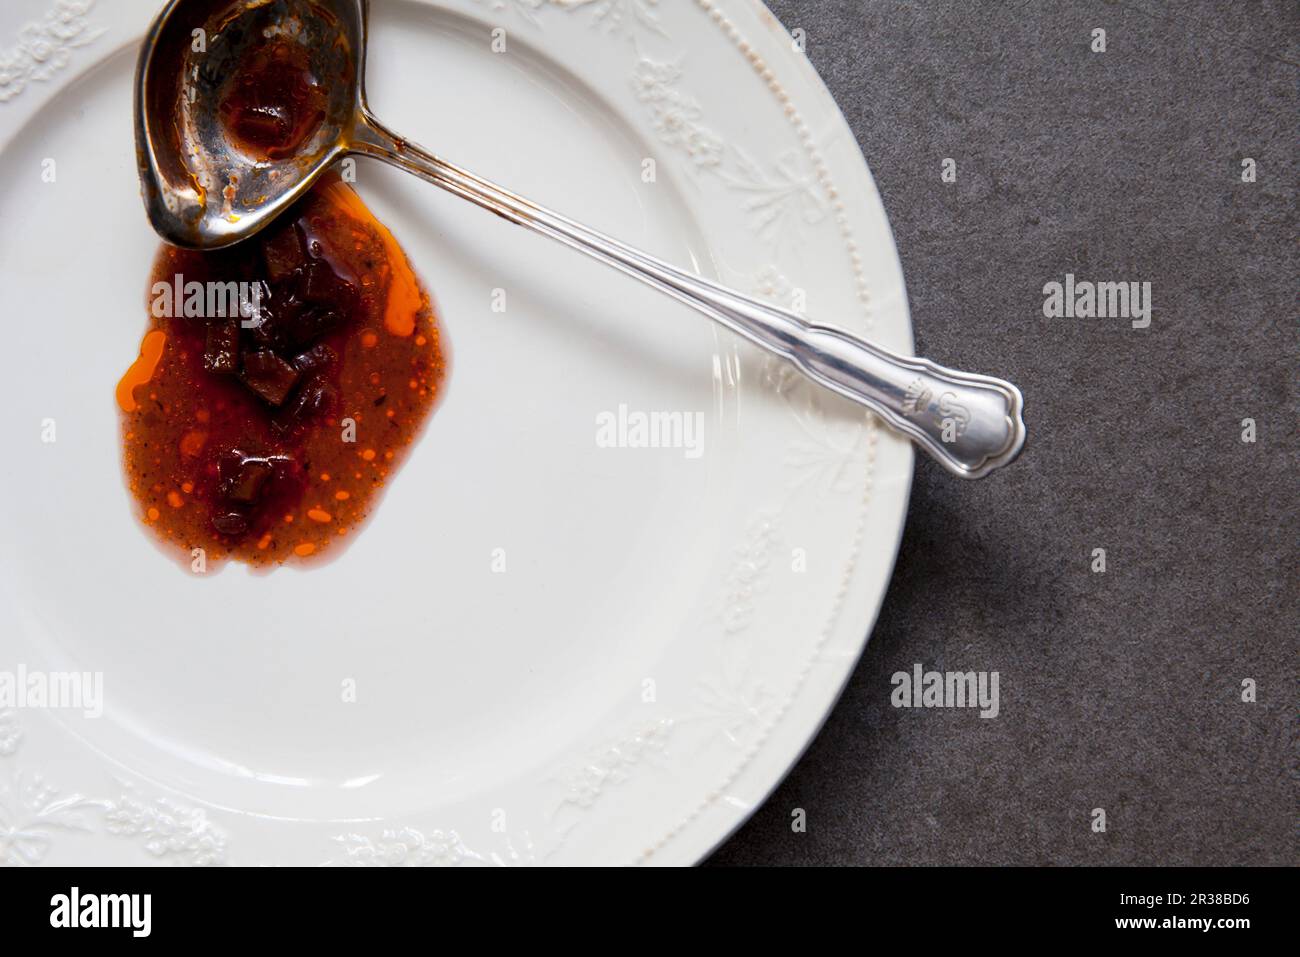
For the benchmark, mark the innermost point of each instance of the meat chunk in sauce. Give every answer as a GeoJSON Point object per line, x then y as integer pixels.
{"type": "Point", "coordinates": [221, 346]}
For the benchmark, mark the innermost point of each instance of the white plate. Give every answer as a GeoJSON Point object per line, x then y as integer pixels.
{"type": "Point", "coordinates": [669, 630]}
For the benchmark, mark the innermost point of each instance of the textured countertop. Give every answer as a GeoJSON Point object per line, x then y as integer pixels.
{"type": "Point", "coordinates": [1120, 690]}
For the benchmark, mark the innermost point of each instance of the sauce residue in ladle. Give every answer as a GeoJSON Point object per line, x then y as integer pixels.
{"type": "Point", "coordinates": [272, 103]}
{"type": "Point", "coordinates": [267, 436]}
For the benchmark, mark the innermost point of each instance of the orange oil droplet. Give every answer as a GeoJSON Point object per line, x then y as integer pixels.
{"type": "Point", "coordinates": [142, 370]}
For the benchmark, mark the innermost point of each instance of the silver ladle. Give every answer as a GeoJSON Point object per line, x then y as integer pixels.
{"type": "Point", "coordinates": [203, 191]}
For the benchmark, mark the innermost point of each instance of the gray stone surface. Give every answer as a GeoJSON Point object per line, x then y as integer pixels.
{"type": "Point", "coordinates": [1118, 690]}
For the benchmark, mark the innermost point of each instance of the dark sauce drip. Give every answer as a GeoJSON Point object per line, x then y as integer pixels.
{"type": "Point", "coordinates": [239, 440]}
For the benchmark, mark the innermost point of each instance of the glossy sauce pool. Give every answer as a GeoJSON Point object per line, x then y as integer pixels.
{"type": "Point", "coordinates": [267, 435]}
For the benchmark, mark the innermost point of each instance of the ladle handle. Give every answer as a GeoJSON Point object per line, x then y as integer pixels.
{"type": "Point", "coordinates": [971, 424]}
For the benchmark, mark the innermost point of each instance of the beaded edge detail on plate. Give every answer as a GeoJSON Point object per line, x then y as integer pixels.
{"type": "Point", "coordinates": [805, 135]}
